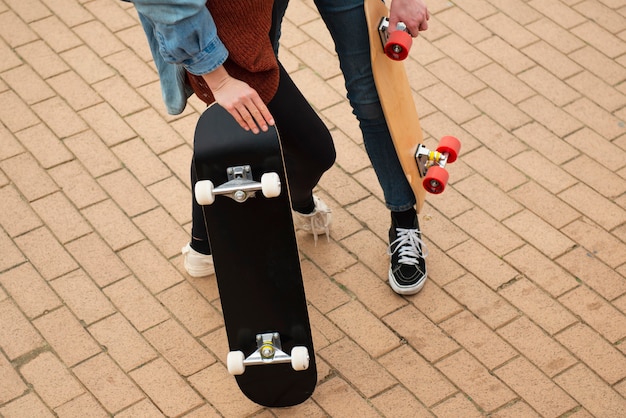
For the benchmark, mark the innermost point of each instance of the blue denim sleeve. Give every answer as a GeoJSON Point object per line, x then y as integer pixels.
{"type": "Point", "coordinates": [185, 33]}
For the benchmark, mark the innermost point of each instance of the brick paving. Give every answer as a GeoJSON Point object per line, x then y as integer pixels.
{"type": "Point", "coordinates": [524, 313]}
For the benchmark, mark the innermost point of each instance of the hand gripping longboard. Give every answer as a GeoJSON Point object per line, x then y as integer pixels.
{"type": "Point", "coordinates": [396, 44]}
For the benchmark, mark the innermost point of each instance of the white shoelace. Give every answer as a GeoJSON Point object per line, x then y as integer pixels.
{"type": "Point", "coordinates": [316, 222]}
{"type": "Point", "coordinates": [319, 221]}
{"type": "Point", "coordinates": [410, 247]}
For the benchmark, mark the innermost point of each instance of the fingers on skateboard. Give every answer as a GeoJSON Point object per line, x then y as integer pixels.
{"type": "Point", "coordinates": [396, 44]}
{"type": "Point", "coordinates": [239, 187]}
{"type": "Point", "coordinates": [269, 351]}
{"type": "Point", "coordinates": [431, 164]}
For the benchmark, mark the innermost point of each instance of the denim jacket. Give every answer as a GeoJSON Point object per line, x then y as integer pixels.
{"type": "Point", "coordinates": [182, 36]}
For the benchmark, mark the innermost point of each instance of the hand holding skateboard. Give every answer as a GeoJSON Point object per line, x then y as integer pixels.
{"type": "Point", "coordinates": [240, 100]}
{"type": "Point", "coordinates": [407, 18]}
{"type": "Point", "coordinates": [413, 13]}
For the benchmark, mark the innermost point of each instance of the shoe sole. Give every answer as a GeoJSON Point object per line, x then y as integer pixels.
{"type": "Point", "coordinates": [402, 290]}
{"type": "Point", "coordinates": [199, 273]}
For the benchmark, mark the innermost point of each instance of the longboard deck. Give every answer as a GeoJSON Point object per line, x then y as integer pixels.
{"type": "Point", "coordinates": [256, 258]}
{"type": "Point", "coordinates": [397, 102]}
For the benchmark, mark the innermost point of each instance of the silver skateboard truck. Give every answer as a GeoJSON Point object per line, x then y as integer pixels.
{"type": "Point", "coordinates": [239, 187]}
{"type": "Point", "coordinates": [426, 158]}
{"type": "Point", "coordinates": [269, 351]}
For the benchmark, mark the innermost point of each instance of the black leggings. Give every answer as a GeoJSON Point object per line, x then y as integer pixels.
{"type": "Point", "coordinates": [307, 147]}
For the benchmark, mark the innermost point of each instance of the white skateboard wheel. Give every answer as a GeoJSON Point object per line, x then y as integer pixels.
{"type": "Point", "coordinates": [234, 362]}
{"type": "Point", "coordinates": [204, 192]}
{"type": "Point", "coordinates": [270, 185]}
{"type": "Point", "coordinates": [300, 358]}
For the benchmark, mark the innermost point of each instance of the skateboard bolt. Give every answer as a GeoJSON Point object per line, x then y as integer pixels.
{"type": "Point", "coordinates": [240, 195]}
{"type": "Point", "coordinates": [267, 351]}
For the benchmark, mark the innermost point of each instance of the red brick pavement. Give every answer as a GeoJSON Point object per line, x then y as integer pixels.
{"type": "Point", "coordinates": [524, 313]}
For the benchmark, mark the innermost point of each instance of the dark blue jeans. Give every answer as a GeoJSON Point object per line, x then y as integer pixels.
{"type": "Point", "coordinates": [346, 22]}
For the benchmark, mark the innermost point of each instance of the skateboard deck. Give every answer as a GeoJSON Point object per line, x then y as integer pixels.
{"type": "Point", "coordinates": [256, 259]}
{"type": "Point", "coordinates": [396, 99]}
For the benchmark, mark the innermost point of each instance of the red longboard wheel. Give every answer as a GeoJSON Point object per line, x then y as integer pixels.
{"type": "Point", "coordinates": [398, 45]}
{"type": "Point", "coordinates": [451, 145]}
{"type": "Point", "coordinates": [436, 179]}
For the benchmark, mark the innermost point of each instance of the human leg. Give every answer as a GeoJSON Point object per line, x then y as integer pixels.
{"type": "Point", "coordinates": [346, 22]}
{"type": "Point", "coordinates": [197, 253]}
{"type": "Point", "coordinates": [308, 150]}
{"type": "Point", "coordinates": [280, 7]}
{"type": "Point", "coordinates": [197, 258]}
{"type": "Point", "coordinates": [307, 144]}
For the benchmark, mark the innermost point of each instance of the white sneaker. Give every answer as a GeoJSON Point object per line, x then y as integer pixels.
{"type": "Point", "coordinates": [317, 222]}
{"type": "Point", "coordinates": [197, 264]}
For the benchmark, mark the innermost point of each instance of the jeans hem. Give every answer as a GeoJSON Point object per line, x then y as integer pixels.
{"type": "Point", "coordinates": [400, 208]}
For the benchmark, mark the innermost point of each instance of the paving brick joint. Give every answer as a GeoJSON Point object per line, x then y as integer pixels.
{"type": "Point", "coordinates": [524, 312]}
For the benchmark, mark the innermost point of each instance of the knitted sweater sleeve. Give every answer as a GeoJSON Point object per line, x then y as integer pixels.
{"type": "Point", "coordinates": [244, 26]}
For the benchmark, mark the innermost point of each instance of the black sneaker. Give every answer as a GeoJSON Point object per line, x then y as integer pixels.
{"type": "Point", "coordinates": [407, 273]}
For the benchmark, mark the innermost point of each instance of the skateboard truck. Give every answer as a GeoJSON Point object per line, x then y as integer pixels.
{"type": "Point", "coordinates": [269, 351]}
{"type": "Point", "coordinates": [431, 164]}
{"type": "Point", "coordinates": [426, 158]}
{"type": "Point", "coordinates": [239, 187]}
{"type": "Point", "coordinates": [395, 44]}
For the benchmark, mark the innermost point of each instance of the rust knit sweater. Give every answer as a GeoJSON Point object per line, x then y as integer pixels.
{"type": "Point", "coordinates": [243, 27]}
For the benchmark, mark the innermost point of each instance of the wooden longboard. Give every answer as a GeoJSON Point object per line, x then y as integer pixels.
{"type": "Point", "coordinates": [256, 257]}
{"type": "Point", "coordinates": [396, 99]}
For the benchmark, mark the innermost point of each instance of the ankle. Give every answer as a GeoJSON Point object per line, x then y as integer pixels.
{"type": "Point", "coordinates": [405, 219]}
{"type": "Point", "coordinates": [200, 246]}
{"type": "Point", "coordinates": [306, 209]}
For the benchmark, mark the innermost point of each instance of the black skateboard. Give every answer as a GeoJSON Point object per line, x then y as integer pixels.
{"type": "Point", "coordinates": [242, 187]}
